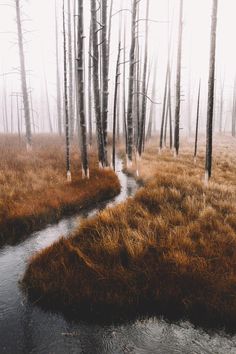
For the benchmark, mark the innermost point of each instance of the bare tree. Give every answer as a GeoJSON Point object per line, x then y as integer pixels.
{"type": "Point", "coordinates": [70, 70]}
{"type": "Point", "coordinates": [23, 77]}
{"type": "Point", "coordinates": [105, 72]}
{"type": "Point", "coordinates": [131, 86]}
{"type": "Point", "coordinates": [144, 88]}
{"type": "Point", "coordinates": [68, 171]}
{"type": "Point", "coordinates": [211, 85]}
{"type": "Point", "coordinates": [80, 73]}
{"type": "Point", "coordinates": [59, 115]}
{"type": "Point", "coordinates": [197, 122]}
{"type": "Point", "coordinates": [97, 100]}
{"type": "Point", "coordinates": [115, 108]}
{"type": "Point", "coordinates": [178, 80]}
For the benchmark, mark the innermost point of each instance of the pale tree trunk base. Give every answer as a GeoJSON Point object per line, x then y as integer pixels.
{"type": "Point", "coordinates": [195, 160]}
{"type": "Point", "coordinates": [129, 162]}
{"type": "Point", "coordinates": [28, 147]}
{"type": "Point", "coordinates": [206, 179]}
{"type": "Point", "coordinates": [84, 174]}
{"type": "Point", "coordinates": [68, 177]}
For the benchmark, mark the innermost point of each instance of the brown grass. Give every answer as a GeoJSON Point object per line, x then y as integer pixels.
{"type": "Point", "coordinates": [34, 190]}
{"type": "Point", "coordinates": [171, 248]}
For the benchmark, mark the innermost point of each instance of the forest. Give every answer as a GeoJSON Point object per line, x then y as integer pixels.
{"type": "Point", "coordinates": [117, 176]}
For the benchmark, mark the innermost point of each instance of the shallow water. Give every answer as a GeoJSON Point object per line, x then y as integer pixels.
{"type": "Point", "coordinates": [25, 328]}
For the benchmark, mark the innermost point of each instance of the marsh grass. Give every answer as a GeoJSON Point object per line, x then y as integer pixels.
{"type": "Point", "coordinates": [171, 248]}
{"type": "Point", "coordinates": [34, 190]}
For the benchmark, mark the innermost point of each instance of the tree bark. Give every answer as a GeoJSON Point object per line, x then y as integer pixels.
{"type": "Point", "coordinates": [131, 86]}
{"type": "Point", "coordinates": [211, 85]}
{"type": "Point", "coordinates": [115, 109]}
{"type": "Point", "coordinates": [23, 77]}
{"type": "Point", "coordinates": [144, 88]}
{"type": "Point", "coordinates": [68, 172]}
{"type": "Point", "coordinates": [197, 121]}
{"type": "Point", "coordinates": [178, 80]}
{"type": "Point", "coordinates": [59, 114]}
{"type": "Point", "coordinates": [70, 69]}
{"type": "Point", "coordinates": [80, 73]}
{"type": "Point", "coordinates": [100, 137]}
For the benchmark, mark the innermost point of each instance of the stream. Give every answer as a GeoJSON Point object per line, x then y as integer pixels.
{"type": "Point", "coordinates": [25, 328]}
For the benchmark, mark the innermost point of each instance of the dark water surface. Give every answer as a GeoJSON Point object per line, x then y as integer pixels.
{"type": "Point", "coordinates": [25, 328]}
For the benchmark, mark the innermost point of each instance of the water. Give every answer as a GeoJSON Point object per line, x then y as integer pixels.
{"type": "Point", "coordinates": [25, 328]}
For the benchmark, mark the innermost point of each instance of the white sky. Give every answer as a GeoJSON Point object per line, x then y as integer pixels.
{"type": "Point", "coordinates": [40, 45]}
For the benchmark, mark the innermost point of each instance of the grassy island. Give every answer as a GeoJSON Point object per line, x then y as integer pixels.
{"type": "Point", "coordinates": [34, 190]}
{"type": "Point", "coordinates": [171, 248]}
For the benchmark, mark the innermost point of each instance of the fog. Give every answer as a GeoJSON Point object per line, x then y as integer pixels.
{"type": "Point", "coordinates": [39, 40]}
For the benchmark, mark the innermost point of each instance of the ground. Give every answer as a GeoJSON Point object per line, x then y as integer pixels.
{"type": "Point", "coordinates": [171, 248]}
{"type": "Point", "coordinates": [33, 184]}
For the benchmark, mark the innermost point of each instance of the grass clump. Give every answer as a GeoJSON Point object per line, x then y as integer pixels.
{"type": "Point", "coordinates": [34, 190]}
{"type": "Point", "coordinates": [171, 248]}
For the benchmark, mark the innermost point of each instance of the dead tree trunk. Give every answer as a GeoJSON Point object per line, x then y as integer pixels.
{"type": "Point", "coordinates": [80, 73]}
{"type": "Point", "coordinates": [164, 109]}
{"type": "Point", "coordinates": [144, 88]}
{"type": "Point", "coordinates": [68, 172]}
{"type": "Point", "coordinates": [131, 86]}
{"type": "Point", "coordinates": [48, 105]}
{"type": "Point", "coordinates": [100, 138]}
{"type": "Point", "coordinates": [59, 115]}
{"type": "Point", "coordinates": [221, 109]}
{"type": "Point", "coordinates": [150, 123]}
{"type": "Point", "coordinates": [23, 77]}
{"type": "Point", "coordinates": [211, 83]}
{"type": "Point", "coordinates": [70, 70]}
{"type": "Point", "coordinates": [115, 109]}
{"type": "Point", "coordinates": [90, 98]}
{"type": "Point", "coordinates": [105, 72]}
{"type": "Point", "coordinates": [178, 80]}
{"type": "Point", "coordinates": [197, 122]}
{"type": "Point", "coordinates": [124, 91]}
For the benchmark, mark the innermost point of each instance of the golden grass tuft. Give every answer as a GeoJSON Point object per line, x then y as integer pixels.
{"type": "Point", "coordinates": [34, 190]}
{"type": "Point", "coordinates": [171, 248]}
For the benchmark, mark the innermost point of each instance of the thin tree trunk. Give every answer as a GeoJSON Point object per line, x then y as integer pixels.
{"type": "Point", "coordinates": [90, 98]}
{"type": "Point", "coordinates": [221, 108]}
{"type": "Point", "coordinates": [100, 138]}
{"type": "Point", "coordinates": [105, 72]}
{"type": "Point", "coordinates": [68, 171]}
{"type": "Point", "coordinates": [115, 109]}
{"type": "Point", "coordinates": [59, 111]}
{"type": "Point", "coordinates": [23, 77]}
{"type": "Point", "coordinates": [178, 80]}
{"type": "Point", "coordinates": [210, 106]}
{"type": "Point", "coordinates": [150, 124]}
{"type": "Point", "coordinates": [124, 90]}
{"type": "Point", "coordinates": [70, 70]}
{"type": "Point", "coordinates": [144, 88]}
{"type": "Point", "coordinates": [131, 86]}
{"type": "Point", "coordinates": [170, 111]}
{"type": "Point", "coordinates": [48, 105]}
{"type": "Point", "coordinates": [164, 109]}
{"type": "Point", "coordinates": [80, 73]}
{"type": "Point", "coordinates": [197, 122]}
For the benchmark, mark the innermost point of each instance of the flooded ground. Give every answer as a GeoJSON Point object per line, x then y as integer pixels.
{"type": "Point", "coordinates": [25, 328]}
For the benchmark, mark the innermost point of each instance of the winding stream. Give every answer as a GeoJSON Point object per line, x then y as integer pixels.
{"type": "Point", "coordinates": [25, 328]}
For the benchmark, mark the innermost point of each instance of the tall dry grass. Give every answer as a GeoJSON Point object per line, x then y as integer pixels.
{"type": "Point", "coordinates": [33, 187]}
{"type": "Point", "coordinates": [171, 248]}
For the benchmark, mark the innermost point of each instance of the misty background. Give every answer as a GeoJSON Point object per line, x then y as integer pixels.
{"type": "Point", "coordinates": [38, 19]}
